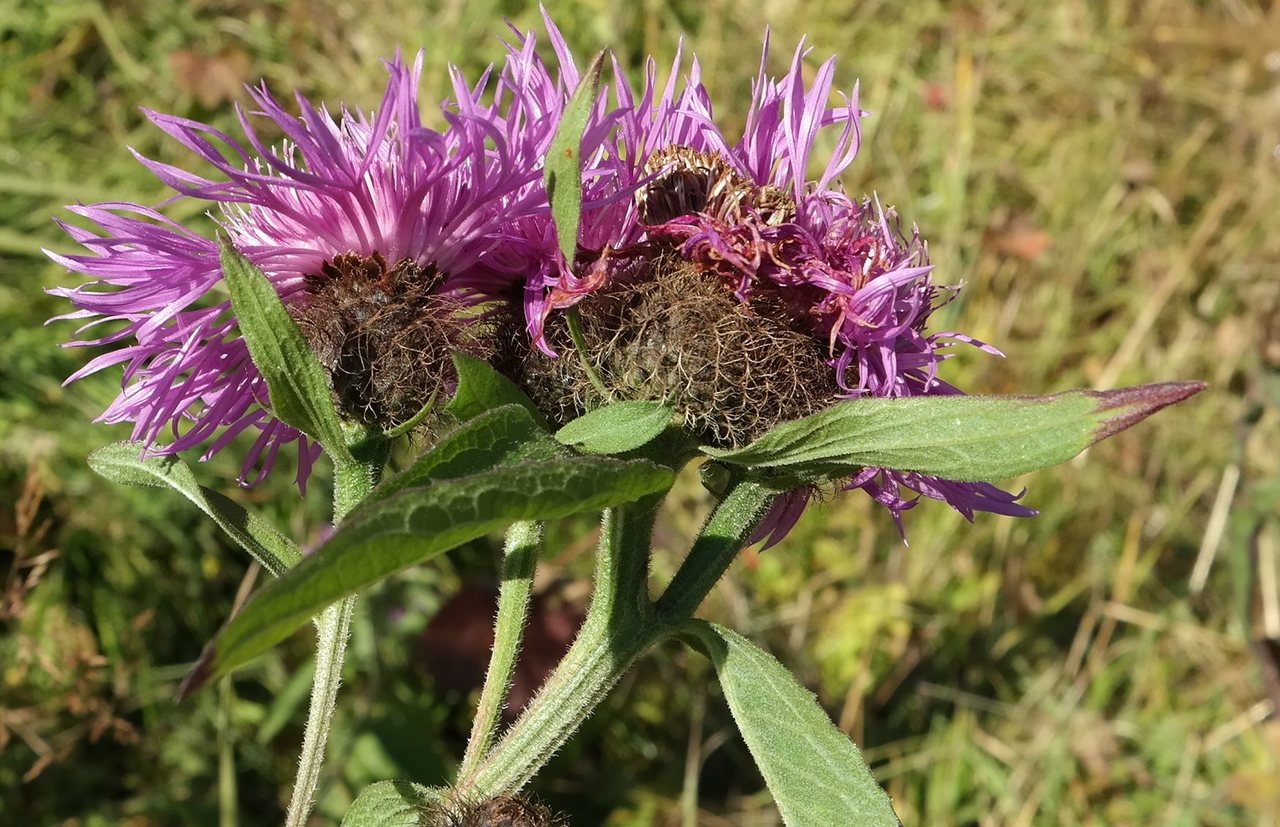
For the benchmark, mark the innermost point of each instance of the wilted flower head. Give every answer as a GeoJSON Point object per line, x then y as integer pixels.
{"type": "Point", "coordinates": [374, 230]}
{"type": "Point", "coordinates": [714, 274]}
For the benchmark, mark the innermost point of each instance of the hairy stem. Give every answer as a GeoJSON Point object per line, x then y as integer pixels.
{"type": "Point", "coordinates": [520, 558]}
{"type": "Point", "coordinates": [621, 625]}
{"type": "Point", "coordinates": [351, 484]}
{"type": "Point", "coordinates": [723, 536]}
{"type": "Point", "coordinates": [614, 633]}
{"type": "Point", "coordinates": [331, 646]}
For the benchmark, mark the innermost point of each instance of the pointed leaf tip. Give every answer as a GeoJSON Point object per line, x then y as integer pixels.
{"type": "Point", "coordinates": [197, 677]}
{"type": "Point", "coordinates": [1124, 407]}
{"type": "Point", "coordinates": [962, 438]}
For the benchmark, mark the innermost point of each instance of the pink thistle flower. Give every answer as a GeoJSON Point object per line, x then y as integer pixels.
{"type": "Point", "coordinates": [380, 197]}
{"type": "Point", "coordinates": [745, 211]}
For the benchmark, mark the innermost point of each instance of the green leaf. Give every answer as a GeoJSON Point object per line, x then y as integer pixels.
{"type": "Point", "coordinates": [412, 526]}
{"type": "Point", "coordinates": [502, 436]}
{"type": "Point", "coordinates": [296, 381]}
{"type": "Point", "coordinates": [481, 388]}
{"type": "Point", "coordinates": [815, 773]}
{"type": "Point", "coordinates": [965, 438]}
{"type": "Point", "coordinates": [562, 171]}
{"type": "Point", "coordinates": [395, 804]}
{"type": "Point", "coordinates": [123, 463]}
{"type": "Point", "coordinates": [616, 428]}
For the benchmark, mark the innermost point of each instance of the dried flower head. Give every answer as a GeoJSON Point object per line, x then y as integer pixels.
{"type": "Point", "coordinates": [731, 370]}
{"type": "Point", "coordinates": [374, 229]}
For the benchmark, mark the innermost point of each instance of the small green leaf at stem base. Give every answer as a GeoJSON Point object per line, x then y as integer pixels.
{"type": "Point", "coordinates": [815, 773]}
{"type": "Point", "coordinates": [296, 381]}
{"type": "Point", "coordinates": [395, 804]}
{"type": "Point", "coordinates": [964, 438]}
{"type": "Point", "coordinates": [616, 428]}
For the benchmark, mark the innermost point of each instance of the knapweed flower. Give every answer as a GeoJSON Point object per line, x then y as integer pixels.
{"type": "Point", "coordinates": [715, 275]}
{"type": "Point", "coordinates": [374, 229]}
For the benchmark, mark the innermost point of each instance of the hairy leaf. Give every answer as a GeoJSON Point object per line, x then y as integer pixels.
{"type": "Point", "coordinates": [563, 169]}
{"type": "Point", "coordinates": [815, 773]}
{"type": "Point", "coordinates": [966, 438]}
{"type": "Point", "coordinates": [124, 463]}
{"type": "Point", "coordinates": [296, 381]}
{"type": "Point", "coordinates": [616, 428]}
{"type": "Point", "coordinates": [394, 804]}
{"type": "Point", "coordinates": [412, 526]}
{"type": "Point", "coordinates": [481, 388]}
{"type": "Point", "coordinates": [501, 436]}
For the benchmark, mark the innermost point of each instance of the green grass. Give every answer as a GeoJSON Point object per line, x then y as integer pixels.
{"type": "Point", "coordinates": [1104, 179]}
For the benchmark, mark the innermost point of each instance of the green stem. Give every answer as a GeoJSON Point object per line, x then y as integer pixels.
{"type": "Point", "coordinates": [352, 482]}
{"type": "Point", "coordinates": [226, 755]}
{"type": "Point", "coordinates": [614, 634]}
{"type": "Point", "coordinates": [520, 558]}
{"type": "Point", "coordinates": [621, 625]}
{"type": "Point", "coordinates": [574, 322]}
{"type": "Point", "coordinates": [620, 601]}
{"type": "Point", "coordinates": [331, 645]}
{"type": "Point", "coordinates": [723, 536]}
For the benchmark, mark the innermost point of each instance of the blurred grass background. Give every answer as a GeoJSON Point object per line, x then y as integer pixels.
{"type": "Point", "coordinates": [1103, 177]}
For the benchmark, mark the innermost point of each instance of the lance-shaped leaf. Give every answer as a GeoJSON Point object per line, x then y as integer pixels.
{"type": "Point", "coordinates": [964, 438]}
{"type": "Point", "coordinates": [481, 388]}
{"type": "Point", "coordinates": [412, 526]}
{"type": "Point", "coordinates": [815, 773]}
{"type": "Point", "coordinates": [616, 428]}
{"type": "Point", "coordinates": [124, 463]}
{"type": "Point", "coordinates": [295, 379]}
{"type": "Point", "coordinates": [502, 436]}
{"type": "Point", "coordinates": [562, 171]}
{"type": "Point", "coordinates": [395, 804]}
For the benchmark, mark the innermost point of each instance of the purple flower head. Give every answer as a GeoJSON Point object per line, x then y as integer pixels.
{"type": "Point", "coordinates": [669, 182]}
{"type": "Point", "coordinates": [641, 142]}
{"type": "Point", "coordinates": [347, 213]}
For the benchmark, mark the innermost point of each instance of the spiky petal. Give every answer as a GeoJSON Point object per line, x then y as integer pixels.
{"type": "Point", "coordinates": [378, 184]}
{"type": "Point", "coordinates": [844, 268]}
